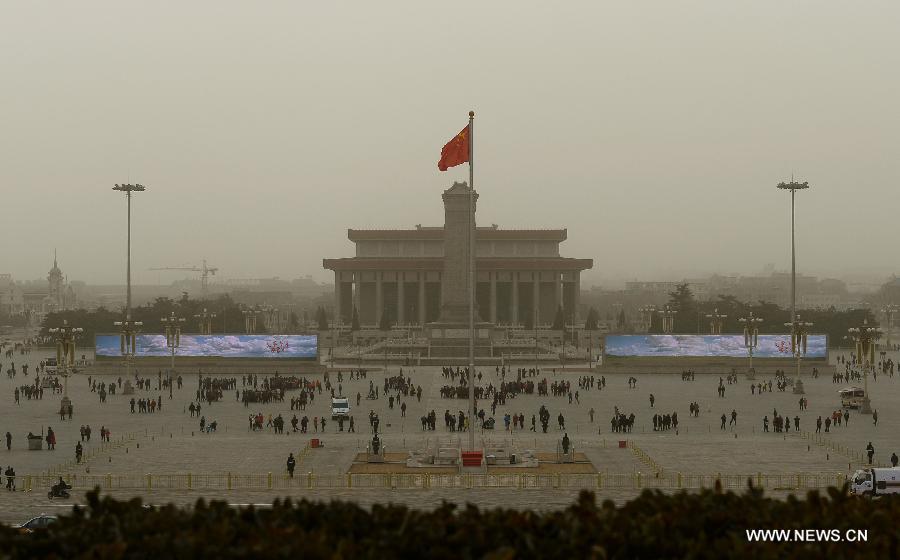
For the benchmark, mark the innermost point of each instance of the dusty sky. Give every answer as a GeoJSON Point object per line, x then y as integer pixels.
{"type": "Point", "coordinates": [654, 131]}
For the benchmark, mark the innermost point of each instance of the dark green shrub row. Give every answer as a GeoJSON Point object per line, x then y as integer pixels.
{"type": "Point", "coordinates": [708, 524]}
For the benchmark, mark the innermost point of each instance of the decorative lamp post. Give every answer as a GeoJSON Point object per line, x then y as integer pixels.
{"type": "Point", "coordinates": [250, 320]}
{"type": "Point", "coordinates": [272, 318]}
{"type": "Point", "coordinates": [205, 321]}
{"type": "Point", "coordinates": [668, 320]}
{"type": "Point", "coordinates": [751, 336]}
{"type": "Point", "coordinates": [799, 332]}
{"type": "Point", "coordinates": [128, 341]}
{"type": "Point", "coordinates": [716, 320]}
{"type": "Point", "coordinates": [65, 357]}
{"type": "Point", "coordinates": [647, 315]}
{"type": "Point", "coordinates": [173, 340]}
{"type": "Point", "coordinates": [865, 337]}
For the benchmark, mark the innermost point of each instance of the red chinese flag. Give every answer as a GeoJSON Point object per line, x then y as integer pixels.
{"type": "Point", "coordinates": [456, 151]}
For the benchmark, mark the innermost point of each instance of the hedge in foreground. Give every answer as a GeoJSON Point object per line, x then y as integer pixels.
{"type": "Point", "coordinates": [709, 524]}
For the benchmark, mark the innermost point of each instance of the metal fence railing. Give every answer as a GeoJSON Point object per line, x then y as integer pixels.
{"type": "Point", "coordinates": [565, 481]}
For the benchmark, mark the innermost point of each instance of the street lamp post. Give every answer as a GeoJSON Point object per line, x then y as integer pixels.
{"type": "Point", "coordinates": [65, 357]}
{"type": "Point", "coordinates": [668, 320]}
{"type": "Point", "coordinates": [890, 310]}
{"type": "Point", "coordinates": [716, 320]}
{"type": "Point", "coordinates": [865, 336]}
{"type": "Point", "coordinates": [205, 321]}
{"type": "Point", "coordinates": [751, 337]}
{"type": "Point", "coordinates": [173, 341]}
{"type": "Point", "coordinates": [128, 331]}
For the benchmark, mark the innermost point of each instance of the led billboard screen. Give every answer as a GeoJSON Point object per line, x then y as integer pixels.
{"type": "Point", "coordinates": [215, 346]}
{"type": "Point", "coordinates": [726, 345]}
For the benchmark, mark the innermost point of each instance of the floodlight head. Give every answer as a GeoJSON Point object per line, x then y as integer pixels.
{"type": "Point", "coordinates": [129, 188]}
{"type": "Point", "coordinates": [793, 186]}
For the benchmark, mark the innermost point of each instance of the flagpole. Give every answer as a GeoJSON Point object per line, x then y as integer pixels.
{"type": "Point", "coordinates": [471, 265]}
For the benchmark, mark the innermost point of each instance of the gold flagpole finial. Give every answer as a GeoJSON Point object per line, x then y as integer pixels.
{"type": "Point", "coordinates": [471, 114]}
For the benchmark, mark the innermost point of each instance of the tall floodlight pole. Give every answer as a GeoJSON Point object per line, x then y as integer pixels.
{"type": "Point", "coordinates": [751, 335]}
{"type": "Point", "coordinates": [65, 357]}
{"type": "Point", "coordinates": [889, 311]}
{"type": "Point", "coordinates": [793, 186]}
{"type": "Point", "coordinates": [865, 337]}
{"type": "Point", "coordinates": [716, 320]}
{"type": "Point", "coordinates": [128, 330]}
{"type": "Point", "coordinates": [173, 340]}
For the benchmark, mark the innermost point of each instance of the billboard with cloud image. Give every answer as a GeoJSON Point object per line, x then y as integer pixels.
{"type": "Point", "coordinates": [215, 346]}
{"type": "Point", "coordinates": [726, 345]}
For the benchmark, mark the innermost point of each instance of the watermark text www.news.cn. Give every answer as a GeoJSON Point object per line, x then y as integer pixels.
{"type": "Point", "coordinates": [807, 535]}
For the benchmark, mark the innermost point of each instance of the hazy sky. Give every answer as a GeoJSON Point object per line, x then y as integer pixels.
{"type": "Point", "coordinates": [654, 131]}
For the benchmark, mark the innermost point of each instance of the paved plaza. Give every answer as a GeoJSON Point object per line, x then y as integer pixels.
{"type": "Point", "coordinates": [169, 442]}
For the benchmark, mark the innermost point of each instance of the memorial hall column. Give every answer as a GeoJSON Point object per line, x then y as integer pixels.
{"type": "Point", "coordinates": [557, 291]}
{"type": "Point", "coordinates": [357, 292]}
{"type": "Point", "coordinates": [514, 306]}
{"type": "Point", "coordinates": [401, 312]}
{"type": "Point", "coordinates": [536, 297]}
{"type": "Point", "coordinates": [493, 303]}
{"type": "Point", "coordinates": [337, 297]}
{"type": "Point", "coordinates": [379, 299]}
{"type": "Point", "coordinates": [576, 292]}
{"type": "Point", "coordinates": [422, 299]}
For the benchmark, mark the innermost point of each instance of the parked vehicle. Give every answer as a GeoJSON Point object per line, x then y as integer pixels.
{"type": "Point", "coordinates": [38, 523]}
{"type": "Point", "coordinates": [852, 397]}
{"type": "Point", "coordinates": [875, 482]}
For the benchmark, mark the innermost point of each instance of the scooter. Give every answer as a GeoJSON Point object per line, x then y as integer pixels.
{"type": "Point", "coordinates": [57, 491]}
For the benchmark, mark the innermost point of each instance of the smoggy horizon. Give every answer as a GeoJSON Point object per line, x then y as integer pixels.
{"type": "Point", "coordinates": [656, 136]}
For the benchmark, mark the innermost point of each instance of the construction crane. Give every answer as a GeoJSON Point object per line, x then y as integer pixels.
{"type": "Point", "coordinates": [205, 271]}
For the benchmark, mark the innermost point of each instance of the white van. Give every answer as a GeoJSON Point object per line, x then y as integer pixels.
{"type": "Point", "coordinates": [340, 408]}
{"type": "Point", "coordinates": [852, 397]}
{"type": "Point", "coordinates": [875, 482]}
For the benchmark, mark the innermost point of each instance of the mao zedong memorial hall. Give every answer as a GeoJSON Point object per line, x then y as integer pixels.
{"type": "Point", "coordinates": [415, 279]}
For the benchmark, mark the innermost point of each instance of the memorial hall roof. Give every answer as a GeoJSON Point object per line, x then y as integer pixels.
{"type": "Point", "coordinates": [437, 263]}
{"type": "Point", "coordinates": [437, 233]}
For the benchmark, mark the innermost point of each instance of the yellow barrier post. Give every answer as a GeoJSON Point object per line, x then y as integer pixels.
{"type": "Point", "coordinates": [309, 481]}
